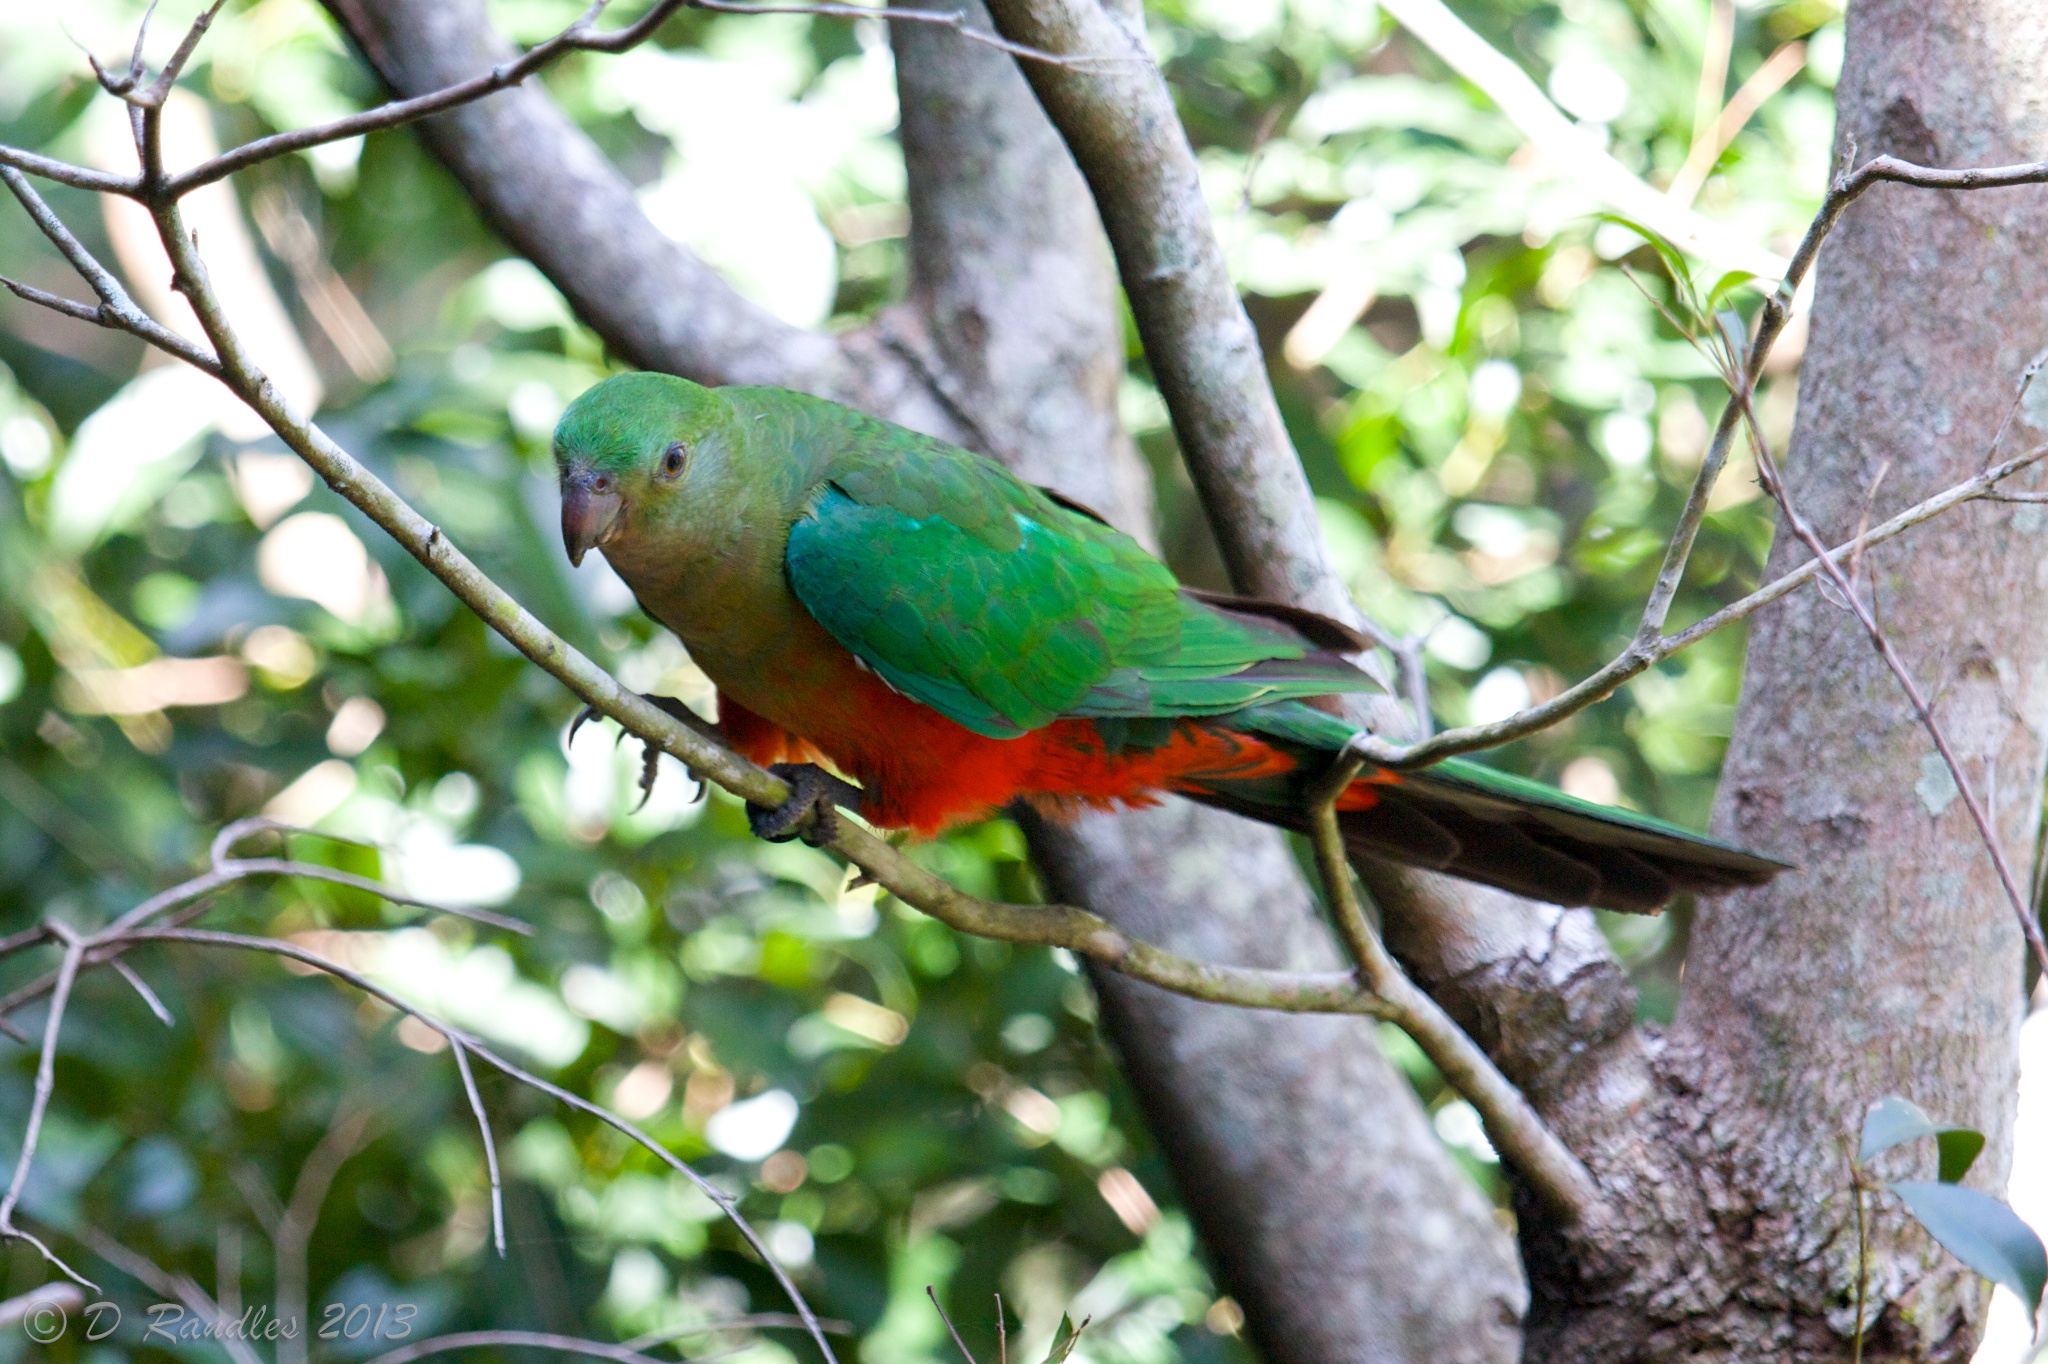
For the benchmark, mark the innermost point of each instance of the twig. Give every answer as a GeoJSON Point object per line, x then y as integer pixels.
{"type": "Point", "coordinates": [116, 309]}
{"type": "Point", "coordinates": [141, 987]}
{"type": "Point", "coordinates": [227, 871]}
{"type": "Point", "coordinates": [128, 80]}
{"type": "Point", "coordinates": [1552, 1172]}
{"type": "Point", "coordinates": [483, 1125]}
{"type": "Point", "coordinates": [951, 1330]}
{"type": "Point", "coordinates": [160, 90]}
{"type": "Point", "coordinates": [2019, 398]}
{"type": "Point", "coordinates": [580, 36]}
{"type": "Point", "coordinates": [46, 1083]}
{"type": "Point", "coordinates": [530, 1340]}
{"type": "Point", "coordinates": [64, 173]}
{"type": "Point", "coordinates": [1639, 658]}
{"type": "Point", "coordinates": [1650, 644]}
{"type": "Point", "coordinates": [2030, 928]}
{"type": "Point", "coordinates": [956, 19]}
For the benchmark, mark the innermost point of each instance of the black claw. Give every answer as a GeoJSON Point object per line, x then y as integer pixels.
{"type": "Point", "coordinates": [650, 763]}
{"type": "Point", "coordinates": [812, 810]}
{"type": "Point", "coordinates": [650, 755]}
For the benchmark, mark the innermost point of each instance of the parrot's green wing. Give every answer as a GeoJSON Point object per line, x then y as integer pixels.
{"type": "Point", "coordinates": [980, 596]}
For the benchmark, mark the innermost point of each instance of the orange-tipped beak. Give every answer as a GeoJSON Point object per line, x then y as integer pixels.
{"type": "Point", "coordinates": [591, 512]}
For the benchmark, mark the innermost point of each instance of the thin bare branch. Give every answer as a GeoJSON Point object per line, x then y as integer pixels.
{"type": "Point", "coordinates": [483, 1127]}
{"type": "Point", "coordinates": [951, 1329]}
{"type": "Point", "coordinates": [1545, 1163]}
{"type": "Point", "coordinates": [530, 1340]}
{"type": "Point", "coordinates": [580, 36]}
{"type": "Point", "coordinates": [1650, 644]}
{"type": "Point", "coordinates": [2019, 398]}
{"type": "Point", "coordinates": [116, 309]}
{"type": "Point", "coordinates": [2030, 927]}
{"type": "Point", "coordinates": [226, 872]}
{"type": "Point", "coordinates": [957, 20]}
{"type": "Point", "coordinates": [160, 90]}
{"type": "Point", "coordinates": [56, 303]}
{"type": "Point", "coordinates": [64, 173]}
{"type": "Point", "coordinates": [1639, 658]}
{"type": "Point", "coordinates": [46, 1084]}
{"type": "Point", "coordinates": [264, 866]}
{"type": "Point", "coordinates": [33, 936]}
{"type": "Point", "coordinates": [129, 79]}
{"type": "Point", "coordinates": [141, 987]}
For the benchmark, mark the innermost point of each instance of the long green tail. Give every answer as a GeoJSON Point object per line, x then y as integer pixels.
{"type": "Point", "coordinates": [1488, 826]}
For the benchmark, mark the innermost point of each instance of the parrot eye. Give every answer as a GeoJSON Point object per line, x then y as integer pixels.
{"type": "Point", "coordinates": [672, 459]}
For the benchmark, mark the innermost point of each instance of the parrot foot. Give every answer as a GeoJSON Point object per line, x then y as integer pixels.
{"type": "Point", "coordinates": [812, 810]}
{"type": "Point", "coordinates": [650, 756]}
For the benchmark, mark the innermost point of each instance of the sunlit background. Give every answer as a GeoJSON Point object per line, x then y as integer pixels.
{"type": "Point", "coordinates": [1496, 421]}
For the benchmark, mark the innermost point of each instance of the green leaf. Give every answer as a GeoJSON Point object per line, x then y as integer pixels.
{"type": "Point", "coordinates": [1674, 259]}
{"type": "Point", "coordinates": [1891, 1121]}
{"type": "Point", "coordinates": [1959, 1148]}
{"type": "Point", "coordinates": [1065, 1339]}
{"type": "Point", "coordinates": [1727, 285]}
{"type": "Point", "coordinates": [1983, 1233]}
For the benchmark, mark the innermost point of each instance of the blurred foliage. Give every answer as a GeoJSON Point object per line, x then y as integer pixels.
{"type": "Point", "coordinates": [1496, 420]}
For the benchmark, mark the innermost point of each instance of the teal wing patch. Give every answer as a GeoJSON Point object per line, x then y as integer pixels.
{"type": "Point", "coordinates": [976, 594]}
{"type": "Point", "coordinates": [1002, 626]}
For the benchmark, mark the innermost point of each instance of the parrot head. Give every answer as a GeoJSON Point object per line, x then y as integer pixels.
{"type": "Point", "coordinates": [639, 455]}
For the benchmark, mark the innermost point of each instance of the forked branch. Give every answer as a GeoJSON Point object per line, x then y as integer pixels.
{"type": "Point", "coordinates": [1531, 1148]}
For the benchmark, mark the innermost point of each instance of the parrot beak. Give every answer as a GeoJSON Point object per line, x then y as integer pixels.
{"type": "Point", "coordinates": [591, 512]}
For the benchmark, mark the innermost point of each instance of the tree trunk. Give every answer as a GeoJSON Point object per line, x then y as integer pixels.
{"type": "Point", "coordinates": [1890, 962]}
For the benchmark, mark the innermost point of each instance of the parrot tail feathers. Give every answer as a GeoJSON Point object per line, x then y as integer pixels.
{"type": "Point", "coordinates": [1480, 824]}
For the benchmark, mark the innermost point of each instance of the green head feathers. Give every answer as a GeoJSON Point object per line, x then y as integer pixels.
{"type": "Point", "coordinates": [625, 423]}
{"type": "Point", "coordinates": [628, 448]}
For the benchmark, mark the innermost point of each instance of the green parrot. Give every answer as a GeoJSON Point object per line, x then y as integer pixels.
{"type": "Point", "coordinates": [953, 639]}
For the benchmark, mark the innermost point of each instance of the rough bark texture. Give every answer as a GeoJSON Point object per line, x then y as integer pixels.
{"type": "Point", "coordinates": [1010, 343]}
{"type": "Point", "coordinates": [1890, 962]}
